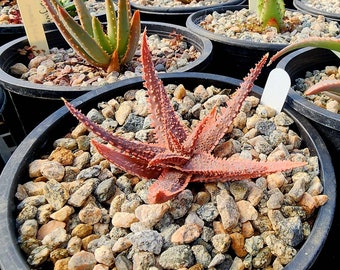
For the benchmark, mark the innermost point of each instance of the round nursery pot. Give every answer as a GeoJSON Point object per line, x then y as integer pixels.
{"type": "Point", "coordinates": [297, 64]}
{"type": "Point", "coordinates": [177, 15]}
{"type": "Point", "coordinates": [39, 142]}
{"type": "Point", "coordinates": [232, 57]}
{"type": "Point", "coordinates": [34, 102]}
{"type": "Point", "coordinates": [321, 9]}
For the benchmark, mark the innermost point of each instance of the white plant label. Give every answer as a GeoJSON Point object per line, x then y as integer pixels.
{"type": "Point", "coordinates": [33, 20]}
{"type": "Point", "coordinates": [276, 89]}
{"type": "Point", "coordinates": [336, 53]}
{"type": "Point", "coordinates": [252, 5]}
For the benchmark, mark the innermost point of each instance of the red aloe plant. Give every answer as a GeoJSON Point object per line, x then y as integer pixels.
{"type": "Point", "coordinates": [181, 156]}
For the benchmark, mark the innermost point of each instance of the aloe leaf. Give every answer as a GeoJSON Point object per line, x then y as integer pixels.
{"type": "Point", "coordinates": [123, 27]}
{"type": "Point", "coordinates": [328, 87]}
{"type": "Point", "coordinates": [114, 63]}
{"type": "Point", "coordinates": [100, 36]}
{"type": "Point", "coordinates": [317, 42]}
{"type": "Point", "coordinates": [135, 32]}
{"type": "Point", "coordinates": [111, 19]}
{"type": "Point", "coordinates": [85, 17]}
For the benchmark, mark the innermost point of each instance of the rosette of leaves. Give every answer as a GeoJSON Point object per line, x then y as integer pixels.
{"type": "Point", "coordinates": [108, 49]}
{"type": "Point", "coordinates": [328, 87]}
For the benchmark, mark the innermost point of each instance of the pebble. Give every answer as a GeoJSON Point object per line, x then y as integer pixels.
{"type": "Point", "coordinates": [186, 234]}
{"type": "Point", "coordinates": [90, 214]}
{"type": "Point", "coordinates": [82, 260]}
{"type": "Point", "coordinates": [228, 210]}
{"type": "Point", "coordinates": [202, 255]}
{"type": "Point", "coordinates": [78, 198]}
{"type": "Point", "coordinates": [151, 214]}
{"type": "Point", "coordinates": [56, 194]}
{"type": "Point", "coordinates": [123, 219]}
{"type": "Point", "coordinates": [104, 255]}
{"type": "Point", "coordinates": [148, 240]}
{"type": "Point", "coordinates": [176, 257]}
{"type": "Point", "coordinates": [49, 227]}
{"type": "Point", "coordinates": [121, 244]}
{"type": "Point", "coordinates": [63, 213]}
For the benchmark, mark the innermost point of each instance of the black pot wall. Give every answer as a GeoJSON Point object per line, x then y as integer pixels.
{"type": "Point", "coordinates": [327, 123]}
{"type": "Point", "coordinates": [34, 102]}
{"type": "Point", "coordinates": [175, 15]}
{"type": "Point", "coordinates": [40, 140]}
{"type": "Point", "coordinates": [14, 31]}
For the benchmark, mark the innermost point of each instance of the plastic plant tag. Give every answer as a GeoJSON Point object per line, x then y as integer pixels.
{"type": "Point", "coordinates": [336, 53]}
{"type": "Point", "coordinates": [252, 5]}
{"type": "Point", "coordinates": [33, 20]}
{"type": "Point", "coordinates": [276, 89]}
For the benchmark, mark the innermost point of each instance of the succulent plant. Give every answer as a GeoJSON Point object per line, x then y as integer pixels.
{"type": "Point", "coordinates": [108, 50]}
{"type": "Point", "coordinates": [271, 13]}
{"type": "Point", "coordinates": [328, 87]}
{"type": "Point", "coordinates": [181, 156]}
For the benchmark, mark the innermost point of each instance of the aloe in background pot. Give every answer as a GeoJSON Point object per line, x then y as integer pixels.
{"type": "Point", "coordinates": [109, 49]}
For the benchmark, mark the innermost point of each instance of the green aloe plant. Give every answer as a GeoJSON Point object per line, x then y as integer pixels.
{"type": "Point", "coordinates": [108, 49]}
{"type": "Point", "coordinates": [328, 87]}
{"type": "Point", "coordinates": [271, 13]}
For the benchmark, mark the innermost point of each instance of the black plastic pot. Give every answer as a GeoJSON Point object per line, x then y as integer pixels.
{"type": "Point", "coordinates": [300, 5]}
{"type": "Point", "coordinates": [40, 140]}
{"type": "Point", "coordinates": [176, 15]}
{"type": "Point", "coordinates": [34, 102]}
{"type": "Point", "coordinates": [327, 123]}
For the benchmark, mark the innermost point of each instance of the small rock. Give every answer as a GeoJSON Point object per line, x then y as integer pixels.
{"type": "Point", "coordinates": [82, 260]}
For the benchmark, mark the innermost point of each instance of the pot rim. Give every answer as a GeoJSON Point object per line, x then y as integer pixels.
{"type": "Point", "coordinates": [11, 257]}
{"type": "Point", "coordinates": [180, 10]}
{"type": "Point", "coordinates": [299, 5]}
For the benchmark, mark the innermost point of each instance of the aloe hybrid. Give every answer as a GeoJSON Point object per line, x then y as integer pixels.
{"type": "Point", "coordinates": [271, 12]}
{"type": "Point", "coordinates": [108, 49]}
{"type": "Point", "coordinates": [328, 87]}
